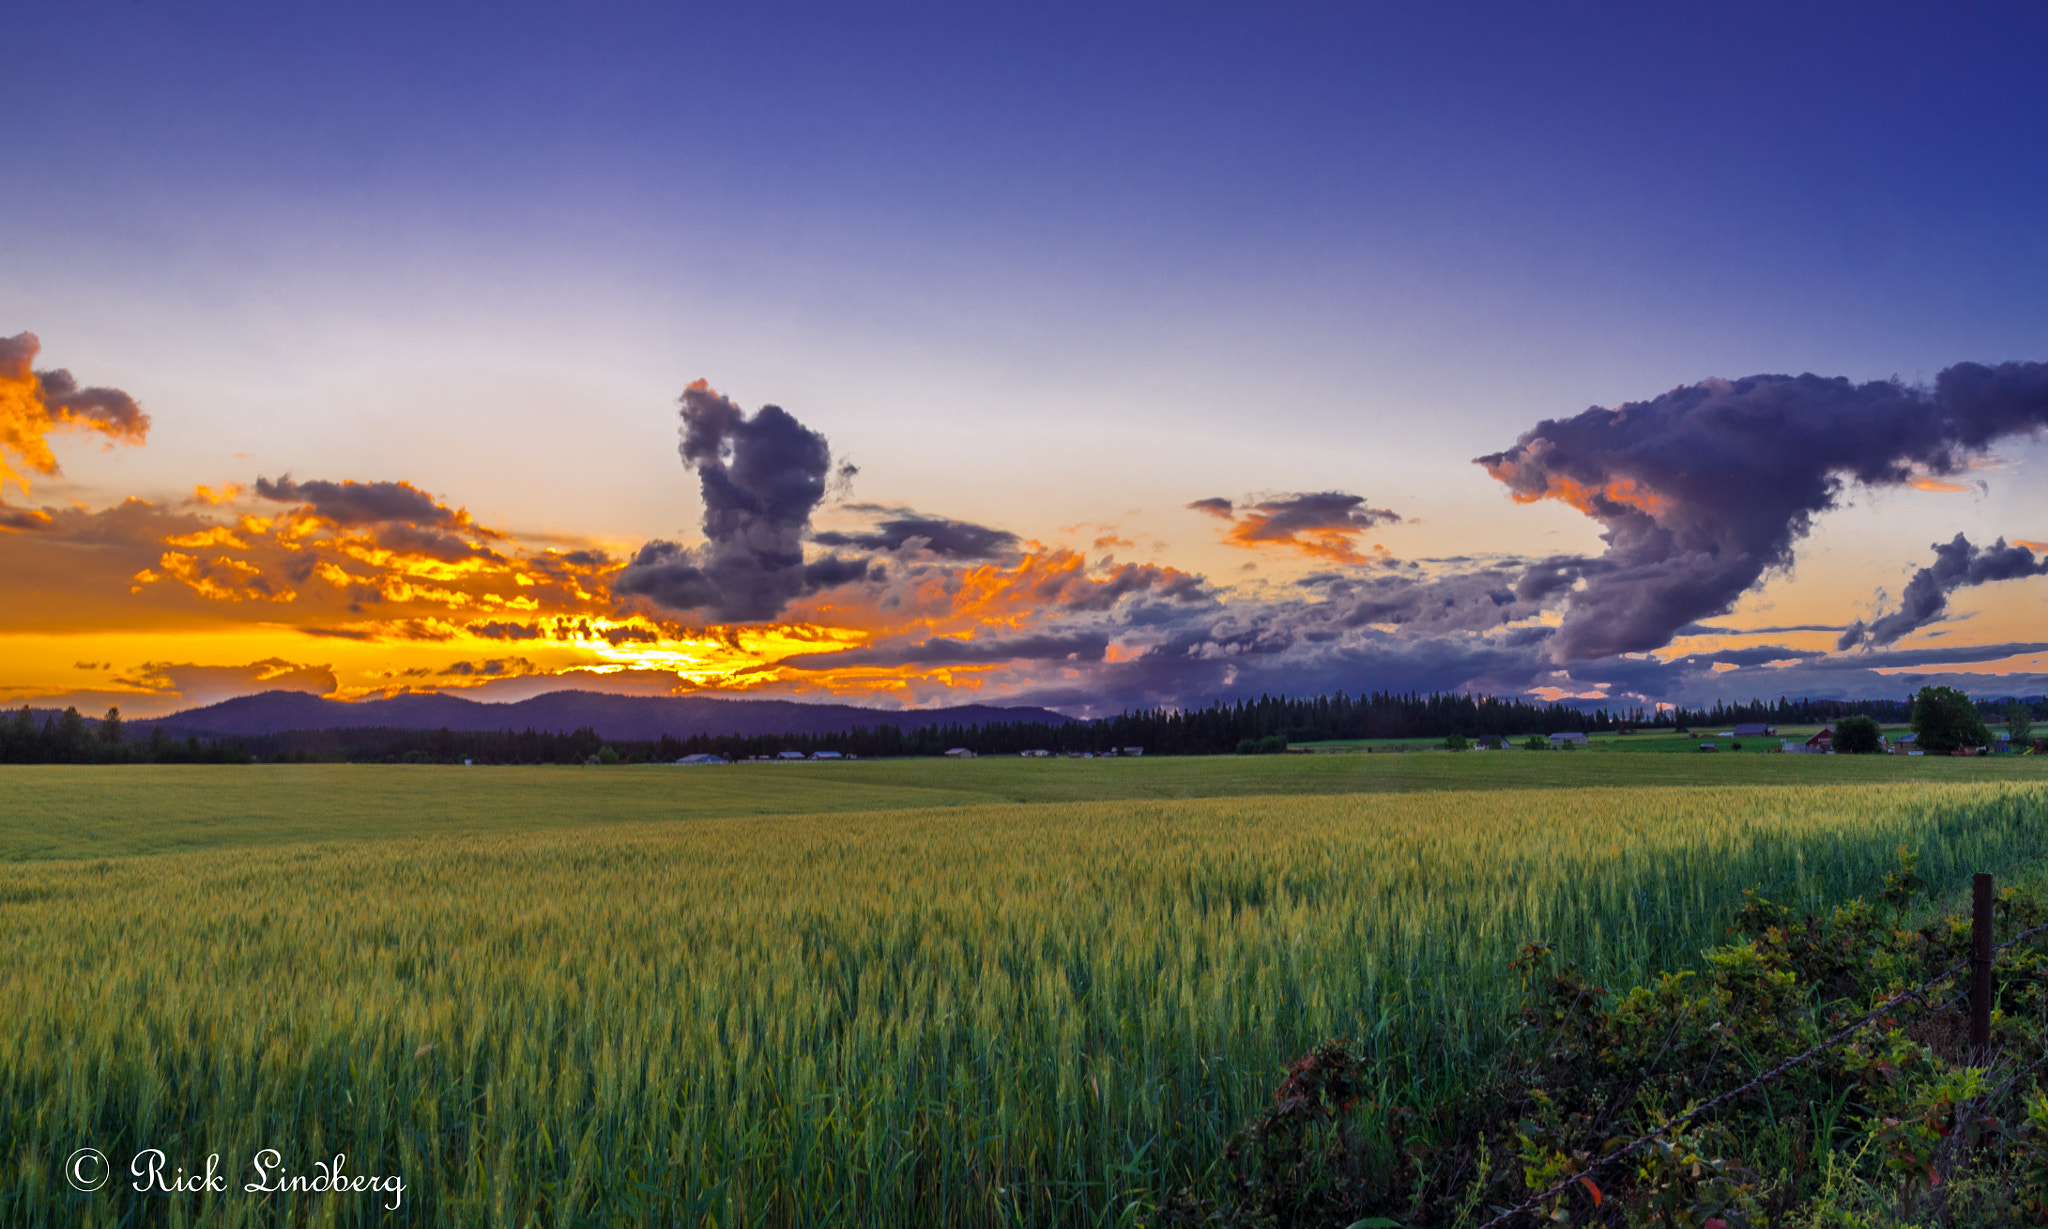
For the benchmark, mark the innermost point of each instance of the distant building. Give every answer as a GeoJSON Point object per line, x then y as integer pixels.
{"type": "Point", "coordinates": [1709, 747]}
{"type": "Point", "coordinates": [1131, 750]}
{"type": "Point", "coordinates": [1756, 729]}
{"type": "Point", "coordinates": [1567, 740]}
{"type": "Point", "coordinates": [960, 753]}
{"type": "Point", "coordinates": [1823, 741]}
{"type": "Point", "coordinates": [827, 755]}
{"type": "Point", "coordinates": [1904, 744]}
{"type": "Point", "coordinates": [1035, 754]}
{"type": "Point", "coordinates": [790, 756]}
{"type": "Point", "coordinates": [702, 758]}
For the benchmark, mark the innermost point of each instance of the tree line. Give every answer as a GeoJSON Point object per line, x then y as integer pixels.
{"type": "Point", "coordinates": [68, 738]}
{"type": "Point", "coordinates": [1222, 727]}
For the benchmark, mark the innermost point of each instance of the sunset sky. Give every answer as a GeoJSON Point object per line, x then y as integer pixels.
{"type": "Point", "coordinates": [1123, 354]}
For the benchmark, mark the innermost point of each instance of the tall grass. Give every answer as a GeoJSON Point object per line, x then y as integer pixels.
{"type": "Point", "coordinates": [1049, 1014]}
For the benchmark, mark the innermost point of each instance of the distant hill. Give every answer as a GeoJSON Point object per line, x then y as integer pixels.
{"type": "Point", "coordinates": [622, 717]}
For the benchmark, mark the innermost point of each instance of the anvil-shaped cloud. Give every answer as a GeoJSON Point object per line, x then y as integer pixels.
{"type": "Point", "coordinates": [1705, 488]}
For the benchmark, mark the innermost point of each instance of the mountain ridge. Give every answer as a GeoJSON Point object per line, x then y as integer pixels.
{"type": "Point", "coordinates": [612, 716]}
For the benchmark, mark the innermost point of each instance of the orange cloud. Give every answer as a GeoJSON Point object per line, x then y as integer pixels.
{"type": "Point", "coordinates": [1323, 524]}
{"type": "Point", "coordinates": [1600, 501]}
{"type": "Point", "coordinates": [34, 404]}
{"type": "Point", "coordinates": [1925, 483]}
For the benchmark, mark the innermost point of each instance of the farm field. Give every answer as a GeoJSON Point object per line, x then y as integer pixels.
{"type": "Point", "coordinates": [540, 1005]}
{"type": "Point", "coordinates": [93, 812]}
{"type": "Point", "coordinates": [1636, 741]}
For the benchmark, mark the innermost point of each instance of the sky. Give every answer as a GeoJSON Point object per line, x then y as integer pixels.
{"type": "Point", "coordinates": [1122, 354]}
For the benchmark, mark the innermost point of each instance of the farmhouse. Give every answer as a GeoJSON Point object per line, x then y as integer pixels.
{"type": "Point", "coordinates": [1904, 744]}
{"type": "Point", "coordinates": [1567, 740]}
{"type": "Point", "coordinates": [1755, 729]}
{"type": "Point", "coordinates": [1823, 741]}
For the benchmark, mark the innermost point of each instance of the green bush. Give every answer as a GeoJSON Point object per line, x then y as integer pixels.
{"type": "Point", "coordinates": [1880, 1125]}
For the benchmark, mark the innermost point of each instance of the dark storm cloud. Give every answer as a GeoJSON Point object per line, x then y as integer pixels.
{"type": "Point", "coordinates": [1472, 600]}
{"type": "Point", "coordinates": [360, 503]}
{"type": "Point", "coordinates": [1710, 629]}
{"type": "Point", "coordinates": [761, 477]}
{"type": "Point", "coordinates": [497, 667]}
{"type": "Point", "coordinates": [406, 539]}
{"type": "Point", "coordinates": [1281, 517]}
{"type": "Point", "coordinates": [563, 565]}
{"type": "Point", "coordinates": [1955, 655]}
{"type": "Point", "coordinates": [1703, 489]}
{"type": "Point", "coordinates": [23, 520]}
{"type": "Point", "coordinates": [948, 539]}
{"type": "Point", "coordinates": [108, 409]}
{"type": "Point", "coordinates": [1084, 646]}
{"type": "Point", "coordinates": [1100, 593]}
{"type": "Point", "coordinates": [1957, 565]}
{"type": "Point", "coordinates": [1759, 655]}
{"type": "Point", "coordinates": [1320, 523]}
{"type": "Point", "coordinates": [505, 631]}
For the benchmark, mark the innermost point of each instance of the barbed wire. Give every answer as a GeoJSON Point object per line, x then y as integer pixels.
{"type": "Point", "coordinates": [1565, 1183]}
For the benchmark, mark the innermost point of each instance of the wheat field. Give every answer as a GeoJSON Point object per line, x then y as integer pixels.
{"type": "Point", "coordinates": [1044, 1014]}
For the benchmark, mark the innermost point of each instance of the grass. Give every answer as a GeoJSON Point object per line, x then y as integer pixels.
{"type": "Point", "coordinates": [87, 812]}
{"type": "Point", "coordinates": [1652, 739]}
{"type": "Point", "coordinates": [978, 1012]}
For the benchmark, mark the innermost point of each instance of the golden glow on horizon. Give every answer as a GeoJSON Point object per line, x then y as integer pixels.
{"type": "Point", "coordinates": [355, 590]}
